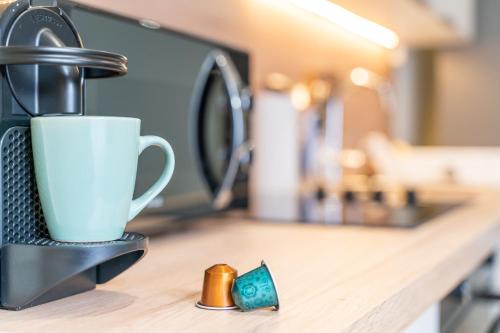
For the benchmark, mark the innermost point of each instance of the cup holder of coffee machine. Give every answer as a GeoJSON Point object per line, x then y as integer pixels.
{"type": "Point", "coordinates": [43, 68]}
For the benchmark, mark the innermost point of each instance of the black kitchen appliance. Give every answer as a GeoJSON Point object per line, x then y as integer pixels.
{"type": "Point", "coordinates": [321, 208]}
{"type": "Point", "coordinates": [190, 91]}
{"type": "Point", "coordinates": [43, 71]}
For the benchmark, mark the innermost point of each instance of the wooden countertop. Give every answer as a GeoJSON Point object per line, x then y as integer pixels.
{"type": "Point", "coordinates": [336, 279]}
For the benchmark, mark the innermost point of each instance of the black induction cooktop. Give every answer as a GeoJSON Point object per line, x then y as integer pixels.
{"type": "Point", "coordinates": [370, 213]}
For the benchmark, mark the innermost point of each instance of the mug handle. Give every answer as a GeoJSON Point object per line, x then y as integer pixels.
{"type": "Point", "coordinates": [144, 142]}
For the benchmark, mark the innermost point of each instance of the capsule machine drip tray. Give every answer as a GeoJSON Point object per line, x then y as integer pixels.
{"type": "Point", "coordinates": [43, 270]}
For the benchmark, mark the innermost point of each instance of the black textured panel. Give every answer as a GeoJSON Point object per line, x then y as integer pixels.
{"type": "Point", "coordinates": [21, 211]}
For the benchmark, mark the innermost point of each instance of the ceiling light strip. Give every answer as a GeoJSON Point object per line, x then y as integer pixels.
{"type": "Point", "coordinates": [350, 21]}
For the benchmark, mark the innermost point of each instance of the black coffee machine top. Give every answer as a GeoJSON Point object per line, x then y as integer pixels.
{"type": "Point", "coordinates": [33, 36]}
{"type": "Point", "coordinates": [43, 71]}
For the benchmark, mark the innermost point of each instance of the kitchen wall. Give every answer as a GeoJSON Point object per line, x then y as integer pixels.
{"type": "Point", "coordinates": [280, 38]}
{"type": "Point", "coordinates": [466, 101]}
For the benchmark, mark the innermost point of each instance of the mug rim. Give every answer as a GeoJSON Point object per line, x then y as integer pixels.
{"type": "Point", "coordinates": [83, 117]}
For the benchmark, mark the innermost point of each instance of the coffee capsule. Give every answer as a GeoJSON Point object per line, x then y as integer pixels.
{"type": "Point", "coordinates": [255, 289]}
{"type": "Point", "coordinates": [217, 282]}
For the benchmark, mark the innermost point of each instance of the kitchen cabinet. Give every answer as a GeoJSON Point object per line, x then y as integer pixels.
{"type": "Point", "coordinates": [278, 36]}
{"type": "Point", "coordinates": [272, 30]}
{"type": "Point", "coordinates": [421, 23]}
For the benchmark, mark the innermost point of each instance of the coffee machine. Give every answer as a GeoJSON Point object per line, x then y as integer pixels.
{"type": "Point", "coordinates": [43, 70]}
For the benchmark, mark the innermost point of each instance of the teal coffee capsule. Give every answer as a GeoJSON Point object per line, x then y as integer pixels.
{"type": "Point", "coordinates": [255, 289]}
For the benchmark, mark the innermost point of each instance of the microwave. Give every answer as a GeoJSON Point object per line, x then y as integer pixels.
{"type": "Point", "coordinates": [192, 92]}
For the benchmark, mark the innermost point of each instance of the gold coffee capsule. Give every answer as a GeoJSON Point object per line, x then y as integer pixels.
{"type": "Point", "coordinates": [217, 283]}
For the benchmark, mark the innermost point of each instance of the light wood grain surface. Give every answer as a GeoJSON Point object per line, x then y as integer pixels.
{"type": "Point", "coordinates": [335, 279]}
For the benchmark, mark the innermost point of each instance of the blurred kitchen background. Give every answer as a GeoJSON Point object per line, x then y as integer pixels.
{"type": "Point", "coordinates": [351, 100]}
{"type": "Point", "coordinates": [316, 111]}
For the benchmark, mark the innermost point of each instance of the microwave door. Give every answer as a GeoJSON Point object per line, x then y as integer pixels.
{"type": "Point", "coordinates": [179, 90]}
{"type": "Point", "coordinates": [163, 71]}
{"type": "Point", "coordinates": [219, 105]}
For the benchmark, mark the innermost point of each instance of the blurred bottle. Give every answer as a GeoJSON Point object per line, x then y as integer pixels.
{"type": "Point", "coordinates": [321, 127]}
{"type": "Point", "coordinates": [275, 177]}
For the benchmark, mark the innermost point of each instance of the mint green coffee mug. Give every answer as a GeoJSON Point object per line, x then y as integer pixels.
{"type": "Point", "coordinates": [85, 171]}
